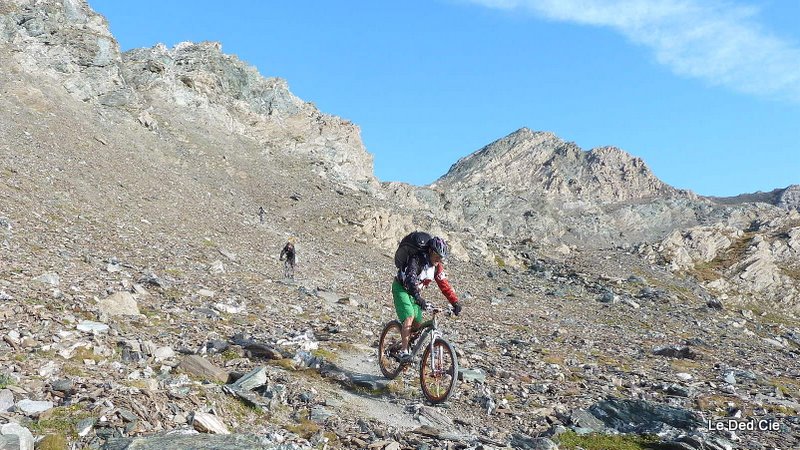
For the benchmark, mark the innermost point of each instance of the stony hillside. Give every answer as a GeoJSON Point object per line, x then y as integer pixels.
{"type": "Point", "coordinates": [140, 292]}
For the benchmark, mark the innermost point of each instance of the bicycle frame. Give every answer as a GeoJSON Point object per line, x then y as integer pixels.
{"type": "Point", "coordinates": [429, 328]}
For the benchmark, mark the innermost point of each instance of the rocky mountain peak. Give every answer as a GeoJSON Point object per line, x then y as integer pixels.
{"type": "Point", "coordinates": [540, 162]}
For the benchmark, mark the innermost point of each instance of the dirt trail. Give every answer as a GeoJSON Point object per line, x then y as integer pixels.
{"type": "Point", "coordinates": [360, 362]}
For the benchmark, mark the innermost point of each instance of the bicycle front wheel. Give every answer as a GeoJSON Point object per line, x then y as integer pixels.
{"type": "Point", "coordinates": [388, 349]}
{"type": "Point", "coordinates": [438, 372]}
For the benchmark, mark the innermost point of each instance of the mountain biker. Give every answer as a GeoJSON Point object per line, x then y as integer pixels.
{"type": "Point", "coordinates": [422, 267]}
{"type": "Point", "coordinates": [289, 254]}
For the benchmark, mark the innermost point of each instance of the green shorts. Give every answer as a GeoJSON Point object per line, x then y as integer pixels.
{"type": "Point", "coordinates": [404, 303]}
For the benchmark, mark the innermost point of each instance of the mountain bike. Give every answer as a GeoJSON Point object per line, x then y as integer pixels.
{"type": "Point", "coordinates": [438, 370]}
{"type": "Point", "coordinates": [288, 270]}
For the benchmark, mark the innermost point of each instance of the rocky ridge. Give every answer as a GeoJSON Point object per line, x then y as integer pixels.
{"type": "Point", "coordinates": [70, 43]}
{"type": "Point", "coordinates": [554, 193]}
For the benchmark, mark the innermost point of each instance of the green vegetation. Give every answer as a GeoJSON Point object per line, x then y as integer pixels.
{"type": "Point", "coordinates": [305, 428]}
{"type": "Point", "coordinates": [324, 353]}
{"type": "Point", "coordinates": [53, 442]}
{"type": "Point", "coordinates": [173, 294]}
{"type": "Point", "coordinates": [60, 421]}
{"type": "Point", "coordinates": [83, 353]}
{"type": "Point", "coordinates": [768, 315]}
{"type": "Point", "coordinates": [710, 271]}
{"type": "Point", "coordinates": [175, 272]}
{"type": "Point", "coordinates": [230, 354]}
{"type": "Point", "coordinates": [792, 272]}
{"type": "Point", "coordinates": [715, 402]}
{"type": "Point", "coordinates": [285, 363]}
{"type": "Point", "coordinates": [596, 441]}
{"type": "Point", "coordinates": [5, 380]}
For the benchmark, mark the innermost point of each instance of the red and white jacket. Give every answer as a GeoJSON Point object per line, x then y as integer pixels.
{"type": "Point", "coordinates": [419, 272]}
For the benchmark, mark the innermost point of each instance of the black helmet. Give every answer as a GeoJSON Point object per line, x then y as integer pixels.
{"type": "Point", "coordinates": [438, 245]}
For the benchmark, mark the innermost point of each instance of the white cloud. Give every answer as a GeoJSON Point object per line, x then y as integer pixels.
{"type": "Point", "coordinates": [714, 40]}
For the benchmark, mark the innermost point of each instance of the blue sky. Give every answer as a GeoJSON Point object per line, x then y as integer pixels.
{"type": "Point", "coordinates": [707, 92]}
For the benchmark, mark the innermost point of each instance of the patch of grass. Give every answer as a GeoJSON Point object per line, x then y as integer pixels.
{"type": "Point", "coordinates": [765, 314]}
{"type": "Point", "coordinates": [173, 294]}
{"type": "Point", "coordinates": [684, 365]}
{"type": "Point", "coordinates": [148, 312]}
{"type": "Point", "coordinates": [396, 387]}
{"type": "Point", "coordinates": [5, 380]}
{"type": "Point", "coordinates": [52, 442]}
{"type": "Point", "coordinates": [241, 412]}
{"type": "Point", "coordinates": [712, 270]}
{"type": "Point", "coordinates": [285, 363]}
{"type": "Point", "coordinates": [305, 428]}
{"type": "Point", "coordinates": [324, 353]}
{"type": "Point", "coordinates": [175, 272]}
{"type": "Point", "coordinates": [60, 421]}
{"type": "Point", "coordinates": [596, 441]}
{"type": "Point", "coordinates": [714, 402]}
{"type": "Point", "coordinates": [781, 409]}
{"type": "Point", "coordinates": [787, 386]}
{"type": "Point", "coordinates": [792, 272]}
{"type": "Point", "coordinates": [230, 354]}
{"type": "Point", "coordinates": [345, 347]}
{"type": "Point", "coordinates": [73, 370]}
{"type": "Point", "coordinates": [553, 359]}
{"type": "Point", "coordinates": [82, 353]}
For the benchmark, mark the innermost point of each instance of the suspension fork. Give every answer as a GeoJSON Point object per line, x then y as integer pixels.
{"type": "Point", "coordinates": [435, 334]}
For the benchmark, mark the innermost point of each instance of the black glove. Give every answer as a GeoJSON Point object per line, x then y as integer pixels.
{"type": "Point", "coordinates": [422, 303]}
{"type": "Point", "coordinates": [457, 308]}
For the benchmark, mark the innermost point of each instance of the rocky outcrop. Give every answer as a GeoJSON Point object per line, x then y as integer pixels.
{"type": "Point", "coordinates": [71, 43]}
{"type": "Point", "coordinates": [790, 197]}
{"type": "Point", "coordinates": [759, 263]}
{"type": "Point", "coordinates": [200, 80]}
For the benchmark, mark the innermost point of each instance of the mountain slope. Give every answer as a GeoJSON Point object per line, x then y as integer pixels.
{"type": "Point", "coordinates": [129, 193]}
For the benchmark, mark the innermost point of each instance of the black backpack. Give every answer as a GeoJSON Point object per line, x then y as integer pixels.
{"type": "Point", "coordinates": [409, 245]}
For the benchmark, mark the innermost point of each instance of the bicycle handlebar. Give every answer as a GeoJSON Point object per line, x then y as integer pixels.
{"type": "Point", "coordinates": [437, 310]}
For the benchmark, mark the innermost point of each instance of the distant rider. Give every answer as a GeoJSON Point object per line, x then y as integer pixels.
{"type": "Point", "coordinates": [288, 254]}
{"type": "Point", "coordinates": [422, 267]}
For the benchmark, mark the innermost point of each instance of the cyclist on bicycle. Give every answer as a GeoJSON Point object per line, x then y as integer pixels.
{"type": "Point", "coordinates": [422, 267]}
{"type": "Point", "coordinates": [288, 253]}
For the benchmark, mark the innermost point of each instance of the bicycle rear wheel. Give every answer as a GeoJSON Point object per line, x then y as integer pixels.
{"type": "Point", "coordinates": [388, 348]}
{"type": "Point", "coordinates": [438, 372]}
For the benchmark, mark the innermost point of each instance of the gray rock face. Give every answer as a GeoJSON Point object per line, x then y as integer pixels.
{"type": "Point", "coordinates": [118, 304]}
{"type": "Point", "coordinates": [12, 433]}
{"type": "Point", "coordinates": [199, 77]}
{"type": "Point", "coordinates": [71, 43]}
{"type": "Point", "coordinates": [6, 400]}
{"type": "Point", "coordinates": [33, 407]}
{"type": "Point", "coordinates": [203, 69]}
{"type": "Point", "coordinates": [790, 197]}
{"type": "Point", "coordinates": [553, 192]}
{"type": "Point", "coordinates": [640, 416]}
{"type": "Point", "coordinates": [760, 260]}
{"type": "Point", "coordinates": [540, 162]}
{"type": "Point", "coordinates": [187, 442]}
